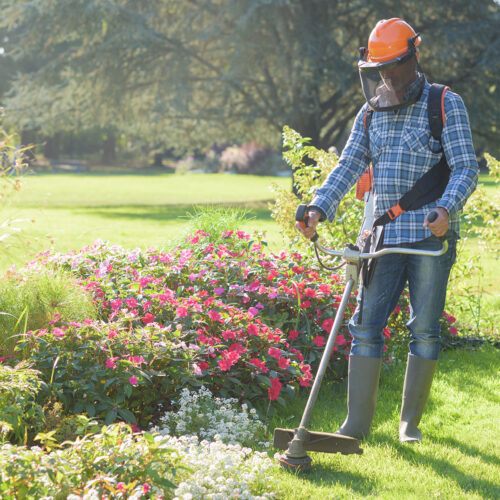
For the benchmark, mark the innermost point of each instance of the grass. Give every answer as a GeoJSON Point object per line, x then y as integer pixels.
{"type": "Point", "coordinates": [71, 211]}
{"type": "Point", "coordinates": [459, 457]}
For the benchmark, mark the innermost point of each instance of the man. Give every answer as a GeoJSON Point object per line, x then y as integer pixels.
{"type": "Point", "coordinates": [397, 140]}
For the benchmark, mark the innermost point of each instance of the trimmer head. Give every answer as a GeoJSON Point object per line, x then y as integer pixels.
{"type": "Point", "coordinates": [323, 442]}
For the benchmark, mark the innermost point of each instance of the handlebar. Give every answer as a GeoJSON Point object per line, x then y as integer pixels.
{"type": "Point", "coordinates": [353, 254]}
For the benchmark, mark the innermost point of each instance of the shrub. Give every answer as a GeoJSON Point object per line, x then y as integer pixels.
{"type": "Point", "coordinates": [248, 159]}
{"type": "Point", "coordinates": [245, 324]}
{"type": "Point", "coordinates": [114, 463]}
{"type": "Point", "coordinates": [34, 300]}
{"type": "Point", "coordinates": [19, 412]}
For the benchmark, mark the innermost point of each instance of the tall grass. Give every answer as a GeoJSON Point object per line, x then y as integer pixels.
{"type": "Point", "coordinates": [30, 301]}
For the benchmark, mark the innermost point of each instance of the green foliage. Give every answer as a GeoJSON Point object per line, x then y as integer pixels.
{"type": "Point", "coordinates": [192, 74]}
{"type": "Point", "coordinates": [214, 220]}
{"type": "Point", "coordinates": [31, 301]}
{"type": "Point", "coordinates": [311, 166]}
{"type": "Point", "coordinates": [111, 463]}
{"type": "Point", "coordinates": [20, 414]}
{"type": "Point", "coordinates": [482, 221]}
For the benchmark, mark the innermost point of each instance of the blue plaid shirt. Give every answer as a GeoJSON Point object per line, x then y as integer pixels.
{"type": "Point", "coordinates": [399, 151]}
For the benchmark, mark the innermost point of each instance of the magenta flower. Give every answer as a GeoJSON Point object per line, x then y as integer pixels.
{"type": "Point", "coordinates": [284, 363]}
{"type": "Point", "coordinates": [253, 311]}
{"type": "Point", "coordinates": [273, 352]}
{"type": "Point", "coordinates": [219, 290]}
{"type": "Point", "coordinates": [110, 362]}
{"type": "Point", "coordinates": [57, 332]}
{"type": "Point", "coordinates": [214, 316]}
{"type": "Point", "coordinates": [453, 330]}
{"type": "Point", "coordinates": [136, 360]}
{"type": "Point", "coordinates": [319, 341]}
{"type": "Point", "coordinates": [133, 380]}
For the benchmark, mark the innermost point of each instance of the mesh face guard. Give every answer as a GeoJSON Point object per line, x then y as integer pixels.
{"type": "Point", "coordinates": [386, 85]}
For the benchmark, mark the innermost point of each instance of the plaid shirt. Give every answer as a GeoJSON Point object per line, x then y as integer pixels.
{"type": "Point", "coordinates": [400, 148]}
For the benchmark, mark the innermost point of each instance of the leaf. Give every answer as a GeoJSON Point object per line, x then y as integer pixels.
{"type": "Point", "coordinates": [127, 415]}
{"type": "Point", "coordinates": [110, 417]}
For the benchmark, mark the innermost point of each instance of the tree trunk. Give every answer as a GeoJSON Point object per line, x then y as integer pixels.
{"type": "Point", "coordinates": [109, 148]}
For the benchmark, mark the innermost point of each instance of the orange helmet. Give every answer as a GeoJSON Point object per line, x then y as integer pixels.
{"type": "Point", "coordinates": [391, 38]}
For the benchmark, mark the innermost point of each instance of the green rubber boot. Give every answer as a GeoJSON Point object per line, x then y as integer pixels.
{"type": "Point", "coordinates": [417, 386]}
{"type": "Point", "coordinates": [364, 373]}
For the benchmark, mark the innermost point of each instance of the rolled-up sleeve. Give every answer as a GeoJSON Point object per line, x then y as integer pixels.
{"type": "Point", "coordinates": [352, 163]}
{"type": "Point", "coordinates": [459, 151]}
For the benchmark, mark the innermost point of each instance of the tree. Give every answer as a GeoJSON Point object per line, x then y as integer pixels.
{"type": "Point", "coordinates": [194, 72]}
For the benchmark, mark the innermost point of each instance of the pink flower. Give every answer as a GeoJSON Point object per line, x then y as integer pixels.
{"type": "Point", "coordinates": [273, 352]}
{"type": "Point", "coordinates": [112, 334]}
{"type": "Point", "coordinates": [214, 316]}
{"type": "Point", "coordinates": [120, 486]}
{"type": "Point", "coordinates": [253, 311]}
{"type": "Point", "coordinates": [325, 289]}
{"type": "Point", "coordinates": [387, 333]}
{"type": "Point", "coordinates": [145, 488]}
{"type": "Point", "coordinates": [133, 380]}
{"type": "Point", "coordinates": [284, 363]}
{"type": "Point", "coordinates": [306, 304]}
{"type": "Point", "coordinates": [132, 302]}
{"type": "Point", "coordinates": [219, 290]}
{"type": "Point", "coordinates": [293, 334]}
{"type": "Point", "coordinates": [148, 318]}
{"type": "Point", "coordinates": [397, 310]}
{"type": "Point", "coordinates": [453, 330]}
{"type": "Point", "coordinates": [309, 292]}
{"type": "Point", "coordinates": [136, 360]}
{"type": "Point", "coordinates": [253, 329]}
{"type": "Point", "coordinates": [224, 364]}
{"type": "Point", "coordinates": [116, 304]}
{"type": "Point", "coordinates": [319, 341]}
{"type": "Point", "coordinates": [274, 391]}
{"type": "Point", "coordinates": [451, 319]}
{"type": "Point", "coordinates": [110, 362]}
{"type": "Point", "coordinates": [57, 332]}
{"type": "Point", "coordinates": [181, 312]}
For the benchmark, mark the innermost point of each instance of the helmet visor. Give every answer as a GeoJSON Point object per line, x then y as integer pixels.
{"type": "Point", "coordinates": [389, 85]}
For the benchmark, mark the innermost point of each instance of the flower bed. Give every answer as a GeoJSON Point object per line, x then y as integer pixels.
{"type": "Point", "coordinates": [225, 315]}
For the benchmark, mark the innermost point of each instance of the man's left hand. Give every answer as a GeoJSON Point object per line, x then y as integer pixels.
{"type": "Point", "coordinates": [440, 226]}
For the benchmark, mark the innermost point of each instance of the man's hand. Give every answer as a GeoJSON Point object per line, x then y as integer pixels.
{"type": "Point", "coordinates": [312, 222]}
{"type": "Point", "coordinates": [440, 226]}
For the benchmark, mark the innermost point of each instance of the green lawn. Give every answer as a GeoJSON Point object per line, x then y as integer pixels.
{"type": "Point", "coordinates": [460, 454]}
{"type": "Point", "coordinates": [70, 211]}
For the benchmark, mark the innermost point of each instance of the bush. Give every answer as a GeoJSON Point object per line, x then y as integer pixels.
{"type": "Point", "coordinates": [249, 159]}
{"type": "Point", "coordinates": [113, 463]}
{"type": "Point", "coordinates": [34, 300]}
{"type": "Point", "coordinates": [245, 324]}
{"type": "Point", "coordinates": [20, 415]}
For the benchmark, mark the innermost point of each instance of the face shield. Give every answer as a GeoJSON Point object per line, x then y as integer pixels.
{"type": "Point", "coordinates": [392, 84]}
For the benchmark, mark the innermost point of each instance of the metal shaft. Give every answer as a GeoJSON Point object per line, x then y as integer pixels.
{"type": "Point", "coordinates": [306, 417]}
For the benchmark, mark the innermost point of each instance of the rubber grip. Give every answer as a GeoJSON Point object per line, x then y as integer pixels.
{"type": "Point", "coordinates": [431, 218]}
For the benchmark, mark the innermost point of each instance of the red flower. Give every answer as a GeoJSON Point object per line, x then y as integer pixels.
{"type": "Point", "coordinates": [293, 334]}
{"type": "Point", "coordinates": [202, 365]}
{"type": "Point", "coordinates": [148, 318]}
{"type": "Point", "coordinates": [284, 363]}
{"type": "Point", "coordinates": [319, 341]}
{"type": "Point", "coordinates": [327, 325]}
{"type": "Point", "coordinates": [387, 333]}
{"type": "Point", "coordinates": [274, 391]}
{"type": "Point", "coordinates": [309, 292]}
{"type": "Point", "coordinates": [259, 364]}
{"type": "Point", "coordinates": [224, 364]}
{"type": "Point", "coordinates": [181, 312]}
{"type": "Point", "coordinates": [306, 304]}
{"type": "Point", "coordinates": [453, 330]}
{"type": "Point", "coordinates": [273, 352]}
{"type": "Point", "coordinates": [214, 316]}
{"type": "Point", "coordinates": [340, 340]}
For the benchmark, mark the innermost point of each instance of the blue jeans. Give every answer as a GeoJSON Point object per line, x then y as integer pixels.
{"type": "Point", "coordinates": [427, 279]}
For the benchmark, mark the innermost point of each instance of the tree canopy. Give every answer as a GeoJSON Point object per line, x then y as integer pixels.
{"type": "Point", "coordinates": [193, 72]}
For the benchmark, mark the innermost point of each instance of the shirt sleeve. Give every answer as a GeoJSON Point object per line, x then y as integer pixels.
{"type": "Point", "coordinates": [352, 163]}
{"type": "Point", "coordinates": [459, 151]}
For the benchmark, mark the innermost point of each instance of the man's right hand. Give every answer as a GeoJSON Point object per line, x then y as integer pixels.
{"type": "Point", "coordinates": [313, 220]}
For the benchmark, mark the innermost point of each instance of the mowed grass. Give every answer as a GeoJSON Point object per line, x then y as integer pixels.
{"type": "Point", "coordinates": [460, 454]}
{"type": "Point", "coordinates": [69, 211]}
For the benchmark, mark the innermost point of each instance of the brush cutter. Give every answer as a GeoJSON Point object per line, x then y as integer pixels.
{"type": "Point", "coordinates": [297, 442]}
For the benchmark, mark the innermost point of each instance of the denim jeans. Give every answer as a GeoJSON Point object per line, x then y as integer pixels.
{"type": "Point", "coordinates": [427, 279]}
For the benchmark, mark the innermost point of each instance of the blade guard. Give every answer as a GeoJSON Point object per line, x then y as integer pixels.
{"type": "Point", "coordinates": [322, 442]}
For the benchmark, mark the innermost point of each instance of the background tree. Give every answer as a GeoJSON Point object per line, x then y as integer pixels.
{"type": "Point", "coordinates": [194, 72]}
